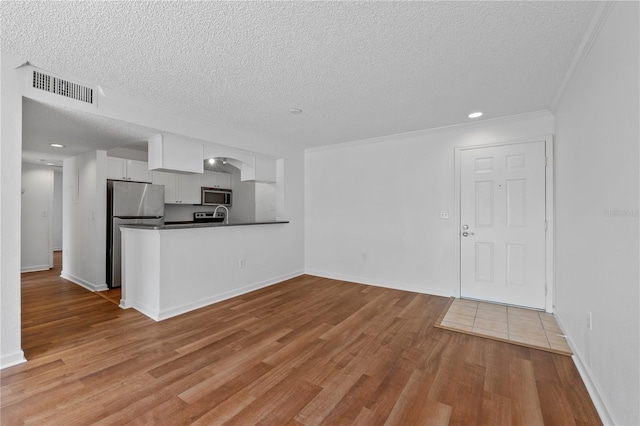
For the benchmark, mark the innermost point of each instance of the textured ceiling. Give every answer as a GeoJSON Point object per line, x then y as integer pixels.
{"type": "Point", "coordinates": [356, 69]}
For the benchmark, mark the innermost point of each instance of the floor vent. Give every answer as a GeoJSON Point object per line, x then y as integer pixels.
{"type": "Point", "coordinates": [62, 87]}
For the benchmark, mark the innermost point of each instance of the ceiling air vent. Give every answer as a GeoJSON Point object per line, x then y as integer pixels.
{"type": "Point", "coordinates": [62, 87]}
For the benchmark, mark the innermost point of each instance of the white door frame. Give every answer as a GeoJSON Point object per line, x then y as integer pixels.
{"type": "Point", "coordinates": [549, 213]}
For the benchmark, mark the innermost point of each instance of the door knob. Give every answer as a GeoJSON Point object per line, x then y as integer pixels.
{"type": "Point", "coordinates": [465, 227]}
{"type": "Point", "coordinates": [466, 234]}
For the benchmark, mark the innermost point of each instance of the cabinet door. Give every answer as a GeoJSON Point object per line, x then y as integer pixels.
{"type": "Point", "coordinates": [116, 168]}
{"type": "Point", "coordinates": [210, 179]}
{"type": "Point", "coordinates": [224, 180]}
{"type": "Point", "coordinates": [138, 171]}
{"type": "Point", "coordinates": [216, 180]}
{"type": "Point", "coordinates": [174, 153]}
{"type": "Point", "coordinates": [169, 180]}
{"type": "Point", "coordinates": [189, 188]}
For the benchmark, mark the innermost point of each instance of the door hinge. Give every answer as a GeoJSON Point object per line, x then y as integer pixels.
{"type": "Point", "coordinates": [545, 289]}
{"type": "Point", "coordinates": [546, 161]}
{"type": "Point", "coordinates": [546, 225]}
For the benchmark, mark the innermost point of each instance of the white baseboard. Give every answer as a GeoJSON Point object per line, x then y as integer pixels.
{"type": "Point", "coordinates": [84, 283]}
{"type": "Point", "coordinates": [12, 359]}
{"type": "Point", "coordinates": [35, 268]}
{"type": "Point", "coordinates": [433, 291]}
{"type": "Point", "coordinates": [587, 378]}
{"type": "Point", "coordinates": [182, 309]}
{"type": "Point", "coordinates": [147, 311]}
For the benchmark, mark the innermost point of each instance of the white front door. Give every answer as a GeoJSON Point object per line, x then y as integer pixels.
{"type": "Point", "coordinates": [502, 224]}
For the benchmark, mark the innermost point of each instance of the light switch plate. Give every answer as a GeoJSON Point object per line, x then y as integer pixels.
{"type": "Point", "coordinates": [444, 214]}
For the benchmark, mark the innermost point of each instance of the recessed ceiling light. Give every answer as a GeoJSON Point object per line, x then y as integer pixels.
{"type": "Point", "coordinates": [57, 145]}
{"type": "Point", "coordinates": [212, 160]}
{"type": "Point", "coordinates": [50, 164]}
{"type": "Point", "coordinates": [295, 111]}
{"type": "Point", "coordinates": [475, 114]}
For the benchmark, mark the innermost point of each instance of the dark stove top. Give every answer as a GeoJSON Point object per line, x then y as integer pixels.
{"type": "Point", "coordinates": [203, 217]}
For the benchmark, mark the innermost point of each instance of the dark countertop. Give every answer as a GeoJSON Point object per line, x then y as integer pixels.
{"type": "Point", "coordinates": [189, 225]}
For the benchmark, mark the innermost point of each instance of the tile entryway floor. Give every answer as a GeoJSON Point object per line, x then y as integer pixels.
{"type": "Point", "coordinates": [507, 323]}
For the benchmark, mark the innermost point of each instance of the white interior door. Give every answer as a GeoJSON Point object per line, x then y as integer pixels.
{"type": "Point", "coordinates": [502, 224]}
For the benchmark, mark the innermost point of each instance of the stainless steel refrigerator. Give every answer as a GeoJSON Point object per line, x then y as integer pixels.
{"type": "Point", "coordinates": [129, 203]}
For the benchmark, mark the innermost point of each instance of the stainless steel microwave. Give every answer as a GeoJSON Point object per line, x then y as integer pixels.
{"type": "Point", "coordinates": [216, 197]}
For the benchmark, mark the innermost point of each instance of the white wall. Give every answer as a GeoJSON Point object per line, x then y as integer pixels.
{"type": "Point", "coordinates": [372, 207]}
{"type": "Point", "coordinates": [36, 218]}
{"type": "Point", "coordinates": [56, 214]}
{"type": "Point", "coordinates": [84, 220]}
{"type": "Point", "coordinates": [598, 133]}
{"type": "Point", "coordinates": [10, 169]}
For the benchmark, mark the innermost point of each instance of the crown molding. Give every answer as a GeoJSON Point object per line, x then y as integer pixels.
{"type": "Point", "coordinates": [437, 130]}
{"type": "Point", "coordinates": [598, 19]}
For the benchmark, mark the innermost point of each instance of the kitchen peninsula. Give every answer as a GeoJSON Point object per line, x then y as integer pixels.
{"type": "Point", "coordinates": [168, 270]}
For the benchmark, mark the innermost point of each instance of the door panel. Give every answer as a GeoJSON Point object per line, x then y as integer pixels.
{"type": "Point", "coordinates": [502, 236]}
{"type": "Point", "coordinates": [484, 204]}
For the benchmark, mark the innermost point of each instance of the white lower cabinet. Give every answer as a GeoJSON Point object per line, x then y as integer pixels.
{"type": "Point", "coordinates": [179, 189]}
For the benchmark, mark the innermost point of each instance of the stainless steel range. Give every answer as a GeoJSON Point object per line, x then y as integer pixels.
{"type": "Point", "coordinates": [204, 217]}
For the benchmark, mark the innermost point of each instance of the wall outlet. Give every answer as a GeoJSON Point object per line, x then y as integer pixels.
{"type": "Point", "coordinates": [444, 214]}
{"type": "Point", "coordinates": [241, 263]}
{"type": "Point", "coordinates": [590, 321]}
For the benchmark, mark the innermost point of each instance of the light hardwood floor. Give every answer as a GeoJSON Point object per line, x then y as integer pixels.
{"type": "Point", "coordinates": [306, 351]}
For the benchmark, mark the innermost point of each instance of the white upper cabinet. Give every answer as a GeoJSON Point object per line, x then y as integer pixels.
{"type": "Point", "coordinates": [170, 183]}
{"type": "Point", "coordinates": [179, 189]}
{"type": "Point", "coordinates": [122, 169]}
{"type": "Point", "coordinates": [216, 180]}
{"type": "Point", "coordinates": [224, 180]}
{"type": "Point", "coordinates": [116, 168]}
{"type": "Point", "coordinates": [138, 171]}
{"type": "Point", "coordinates": [190, 189]}
{"type": "Point", "coordinates": [170, 153]}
